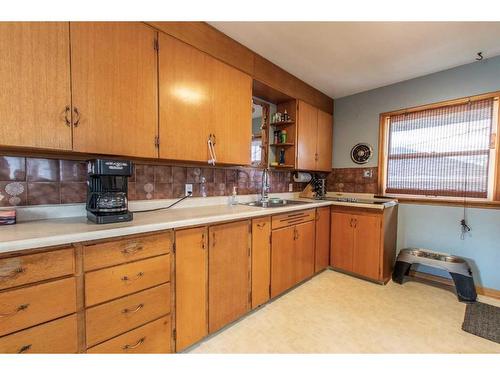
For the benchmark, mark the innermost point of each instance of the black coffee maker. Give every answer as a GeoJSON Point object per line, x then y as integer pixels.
{"type": "Point", "coordinates": [107, 190]}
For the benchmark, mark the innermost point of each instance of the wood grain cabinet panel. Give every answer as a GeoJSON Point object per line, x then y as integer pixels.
{"type": "Point", "coordinates": [118, 281]}
{"type": "Point", "coordinates": [363, 242]}
{"type": "Point", "coordinates": [185, 101]}
{"type": "Point", "coordinates": [113, 318]}
{"type": "Point", "coordinates": [232, 109]}
{"type": "Point", "coordinates": [282, 260]}
{"type": "Point", "coordinates": [324, 142]}
{"type": "Point", "coordinates": [261, 260]}
{"type": "Point", "coordinates": [25, 269]}
{"type": "Point", "coordinates": [152, 338]}
{"type": "Point", "coordinates": [366, 249]}
{"type": "Point", "coordinates": [26, 307]}
{"type": "Point", "coordinates": [35, 79]}
{"type": "Point", "coordinates": [105, 254]}
{"type": "Point", "coordinates": [342, 241]}
{"type": "Point", "coordinates": [191, 286]}
{"type": "Point", "coordinates": [114, 88]}
{"type": "Point", "coordinates": [57, 336]}
{"type": "Point", "coordinates": [303, 251]}
{"type": "Point", "coordinates": [322, 243]}
{"type": "Point", "coordinates": [307, 126]}
{"type": "Point", "coordinates": [229, 273]}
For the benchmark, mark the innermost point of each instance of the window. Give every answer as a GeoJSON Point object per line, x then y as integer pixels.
{"type": "Point", "coordinates": [441, 151]}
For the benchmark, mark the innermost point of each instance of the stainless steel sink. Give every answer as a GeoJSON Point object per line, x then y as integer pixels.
{"type": "Point", "coordinates": [273, 203]}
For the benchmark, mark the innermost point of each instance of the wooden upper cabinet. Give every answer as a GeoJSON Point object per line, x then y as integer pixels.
{"type": "Point", "coordinates": [35, 80]}
{"type": "Point", "coordinates": [186, 96]}
{"type": "Point", "coordinates": [232, 110]}
{"type": "Point", "coordinates": [325, 142]}
{"type": "Point", "coordinates": [114, 86]}
{"type": "Point", "coordinates": [307, 128]}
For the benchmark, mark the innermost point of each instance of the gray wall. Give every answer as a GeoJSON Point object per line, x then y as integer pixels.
{"type": "Point", "coordinates": [433, 227]}
{"type": "Point", "coordinates": [357, 116]}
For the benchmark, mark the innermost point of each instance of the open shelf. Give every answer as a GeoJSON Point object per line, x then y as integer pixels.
{"type": "Point", "coordinates": [282, 123]}
{"type": "Point", "coordinates": [282, 144]}
{"type": "Point", "coordinates": [284, 166]}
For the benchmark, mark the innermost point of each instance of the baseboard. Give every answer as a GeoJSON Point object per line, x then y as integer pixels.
{"type": "Point", "coordinates": [481, 290]}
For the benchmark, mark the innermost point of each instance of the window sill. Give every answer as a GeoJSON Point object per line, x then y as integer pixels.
{"type": "Point", "coordinates": [449, 202]}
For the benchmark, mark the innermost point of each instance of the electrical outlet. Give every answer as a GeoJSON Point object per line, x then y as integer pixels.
{"type": "Point", "coordinates": [188, 189]}
{"type": "Point", "coordinates": [367, 173]}
{"type": "Point", "coordinates": [290, 187]}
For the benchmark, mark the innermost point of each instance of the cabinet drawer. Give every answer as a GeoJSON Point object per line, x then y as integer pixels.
{"type": "Point", "coordinates": [154, 337]}
{"type": "Point", "coordinates": [111, 253]}
{"type": "Point", "coordinates": [292, 218]}
{"type": "Point", "coordinates": [114, 282]}
{"type": "Point", "coordinates": [112, 318]}
{"type": "Point", "coordinates": [58, 336]}
{"type": "Point", "coordinates": [37, 267]}
{"type": "Point", "coordinates": [26, 307]}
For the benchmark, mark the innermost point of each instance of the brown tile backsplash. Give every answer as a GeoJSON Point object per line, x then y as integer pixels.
{"type": "Point", "coordinates": [352, 180]}
{"type": "Point", "coordinates": [34, 181]}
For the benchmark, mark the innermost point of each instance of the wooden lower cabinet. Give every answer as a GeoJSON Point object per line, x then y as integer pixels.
{"type": "Point", "coordinates": [363, 242]}
{"type": "Point", "coordinates": [261, 260]}
{"type": "Point", "coordinates": [57, 336]}
{"type": "Point", "coordinates": [191, 286]}
{"type": "Point", "coordinates": [322, 241]}
{"type": "Point", "coordinates": [228, 273]}
{"type": "Point", "coordinates": [292, 256]}
{"type": "Point", "coordinates": [26, 307]}
{"type": "Point", "coordinates": [152, 338]}
{"type": "Point", "coordinates": [303, 266]}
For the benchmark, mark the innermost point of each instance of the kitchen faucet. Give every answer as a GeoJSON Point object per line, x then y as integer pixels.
{"type": "Point", "coordinates": [265, 186]}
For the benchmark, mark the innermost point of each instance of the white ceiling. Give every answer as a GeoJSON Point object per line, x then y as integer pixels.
{"type": "Point", "coordinates": [344, 58]}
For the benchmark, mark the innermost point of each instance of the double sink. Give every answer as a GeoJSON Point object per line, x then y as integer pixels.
{"type": "Point", "coordinates": [274, 203]}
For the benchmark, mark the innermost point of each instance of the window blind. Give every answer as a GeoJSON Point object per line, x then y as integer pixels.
{"type": "Point", "coordinates": [441, 151]}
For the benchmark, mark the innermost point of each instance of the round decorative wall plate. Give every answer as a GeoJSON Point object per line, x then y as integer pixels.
{"type": "Point", "coordinates": [361, 153]}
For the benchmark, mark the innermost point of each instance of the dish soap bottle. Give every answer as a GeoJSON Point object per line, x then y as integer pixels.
{"type": "Point", "coordinates": [233, 200]}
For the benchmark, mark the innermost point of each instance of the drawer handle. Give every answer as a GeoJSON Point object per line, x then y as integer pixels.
{"type": "Point", "coordinates": [294, 218]}
{"type": "Point", "coordinates": [24, 349]}
{"type": "Point", "coordinates": [132, 248]}
{"type": "Point", "coordinates": [261, 225]}
{"type": "Point", "coordinates": [138, 343]}
{"type": "Point", "coordinates": [20, 308]}
{"type": "Point", "coordinates": [14, 273]}
{"type": "Point", "coordinates": [130, 310]}
{"type": "Point", "coordinates": [138, 276]}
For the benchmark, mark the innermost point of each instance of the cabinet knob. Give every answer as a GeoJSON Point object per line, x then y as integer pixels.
{"type": "Point", "coordinates": [18, 309]}
{"type": "Point", "coordinates": [13, 274]}
{"type": "Point", "coordinates": [138, 343]}
{"type": "Point", "coordinates": [67, 112]}
{"type": "Point", "coordinates": [77, 117]}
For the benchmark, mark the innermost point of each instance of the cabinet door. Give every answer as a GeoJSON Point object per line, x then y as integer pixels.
{"type": "Point", "coordinates": [322, 254]}
{"type": "Point", "coordinates": [304, 251]}
{"type": "Point", "coordinates": [342, 241]}
{"type": "Point", "coordinates": [261, 260]}
{"type": "Point", "coordinates": [35, 79]}
{"type": "Point", "coordinates": [191, 283]}
{"type": "Point", "coordinates": [229, 273]}
{"type": "Point", "coordinates": [232, 106]}
{"type": "Point", "coordinates": [325, 141]}
{"type": "Point", "coordinates": [186, 95]}
{"type": "Point", "coordinates": [114, 87]}
{"type": "Point", "coordinates": [366, 257]}
{"type": "Point", "coordinates": [307, 128]}
{"type": "Point", "coordinates": [282, 260]}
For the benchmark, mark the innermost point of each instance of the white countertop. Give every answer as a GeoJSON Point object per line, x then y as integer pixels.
{"type": "Point", "coordinates": [52, 232]}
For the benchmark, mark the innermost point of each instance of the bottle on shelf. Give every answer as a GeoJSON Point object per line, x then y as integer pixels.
{"type": "Point", "coordinates": [282, 156]}
{"type": "Point", "coordinates": [283, 136]}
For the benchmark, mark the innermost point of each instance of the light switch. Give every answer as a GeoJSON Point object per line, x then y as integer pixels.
{"type": "Point", "coordinates": [367, 173]}
{"type": "Point", "coordinates": [189, 189]}
{"type": "Point", "coordinates": [290, 187]}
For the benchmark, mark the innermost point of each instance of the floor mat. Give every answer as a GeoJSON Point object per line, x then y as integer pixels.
{"type": "Point", "coordinates": [483, 320]}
